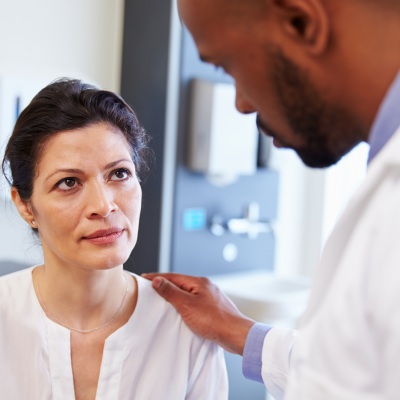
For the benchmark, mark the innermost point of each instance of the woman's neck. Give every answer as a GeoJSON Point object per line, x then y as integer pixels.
{"type": "Point", "coordinates": [82, 300]}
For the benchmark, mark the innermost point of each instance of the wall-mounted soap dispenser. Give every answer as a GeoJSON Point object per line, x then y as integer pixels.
{"type": "Point", "coordinates": [222, 142]}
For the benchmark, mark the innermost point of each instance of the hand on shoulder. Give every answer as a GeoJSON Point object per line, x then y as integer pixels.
{"type": "Point", "coordinates": [205, 309]}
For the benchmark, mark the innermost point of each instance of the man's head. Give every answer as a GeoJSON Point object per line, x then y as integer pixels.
{"type": "Point", "coordinates": [309, 68]}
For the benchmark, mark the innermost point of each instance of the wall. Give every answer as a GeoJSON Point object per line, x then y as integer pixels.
{"type": "Point", "coordinates": [150, 65]}
{"type": "Point", "coordinates": [310, 203]}
{"type": "Point", "coordinates": [62, 37]}
{"type": "Point", "coordinates": [194, 190]}
{"type": "Point", "coordinates": [43, 40]}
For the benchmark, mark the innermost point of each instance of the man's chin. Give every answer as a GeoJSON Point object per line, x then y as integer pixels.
{"type": "Point", "coordinates": [278, 144]}
{"type": "Point", "coordinates": [320, 160]}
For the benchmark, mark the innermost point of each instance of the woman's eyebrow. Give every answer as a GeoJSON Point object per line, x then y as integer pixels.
{"type": "Point", "coordinates": [114, 163]}
{"type": "Point", "coordinates": [76, 171]}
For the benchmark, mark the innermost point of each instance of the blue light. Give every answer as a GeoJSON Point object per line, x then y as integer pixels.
{"type": "Point", "coordinates": [194, 219]}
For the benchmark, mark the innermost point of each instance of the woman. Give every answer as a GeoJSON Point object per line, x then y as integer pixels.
{"type": "Point", "coordinates": [79, 326]}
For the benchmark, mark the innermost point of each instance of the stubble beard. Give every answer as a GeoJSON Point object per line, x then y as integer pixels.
{"type": "Point", "coordinates": [327, 131]}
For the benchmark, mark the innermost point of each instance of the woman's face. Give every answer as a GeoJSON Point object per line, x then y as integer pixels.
{"type": "Point", "coordinates": [86, 199]}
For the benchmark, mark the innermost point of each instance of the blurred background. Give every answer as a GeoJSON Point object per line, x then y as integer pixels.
{"type": "Point", "coordinates": [220, 201]}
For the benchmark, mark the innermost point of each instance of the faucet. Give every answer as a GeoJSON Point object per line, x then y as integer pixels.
{"type": "Point", "coordinates": [249, 225]}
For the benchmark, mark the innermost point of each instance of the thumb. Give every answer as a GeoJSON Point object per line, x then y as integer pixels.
{"type": "Point", "coordinates": [168, 290]}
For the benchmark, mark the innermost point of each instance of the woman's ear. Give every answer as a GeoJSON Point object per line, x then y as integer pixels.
{"type": "Point", "coordinates": [23, 207]}
{"type": "Point", "coordinates": [305, 22]}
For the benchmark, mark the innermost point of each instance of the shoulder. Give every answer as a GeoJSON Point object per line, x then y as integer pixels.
{"type": "Point", "coordinates": [15, 286]}
{"type": "Point", "coordinates": [158, 331]}
{"type": "Point", "coordinates": [22, 277]}
{"type": "Point", "coordinates": [151, 300]}
{"type": "Point", "coordinates": [152, 307]}
{"type": "Point", "coordinates": [17, 298]}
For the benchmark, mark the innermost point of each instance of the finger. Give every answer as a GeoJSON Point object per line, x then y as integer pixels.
{"type": "Point", "coordinates": [169, 291]}
{"type": "Point", "coordinates": [151, 275]}
{"type": "Point", "coordinates": [185, 282]}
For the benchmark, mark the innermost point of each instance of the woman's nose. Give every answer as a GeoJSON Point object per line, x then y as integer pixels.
{"type": "Point", "coordinates": [242, 104]}
{"type": "Point", "coordinates": [101, 201]}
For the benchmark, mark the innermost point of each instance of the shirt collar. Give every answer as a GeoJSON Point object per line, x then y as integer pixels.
{"type": "Point", "coordinates": [387, 120]}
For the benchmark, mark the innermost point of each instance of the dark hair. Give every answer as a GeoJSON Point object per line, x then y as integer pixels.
{"type": "Point", "coordinates": [64, 105]}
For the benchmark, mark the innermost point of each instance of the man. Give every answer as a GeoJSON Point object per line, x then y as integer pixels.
{"type": "Point", "coordinates": [322, 76]}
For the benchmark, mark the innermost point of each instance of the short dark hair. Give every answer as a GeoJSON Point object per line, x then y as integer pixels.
{"type": "Point", "coordinates": [64, 105]}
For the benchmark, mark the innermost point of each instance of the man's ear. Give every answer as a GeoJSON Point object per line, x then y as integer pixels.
{"type": "Point", "coordinates": [304, 21]}
{"type": "Point", "coordinates": [23, 207]}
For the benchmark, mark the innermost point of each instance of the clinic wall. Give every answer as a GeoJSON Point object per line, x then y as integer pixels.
{"type": "Point", "coordinates": [310, 203]}
{"type": "Point", "coordinates": [62, 37]}
{"type": "Point", "coordinates": [44, 40]}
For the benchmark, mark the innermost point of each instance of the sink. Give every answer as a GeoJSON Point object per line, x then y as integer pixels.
{"type": "Point", "coordinates": [266, 297]}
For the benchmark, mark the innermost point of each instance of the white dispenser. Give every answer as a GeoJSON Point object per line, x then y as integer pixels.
{"type": "Point", "coordinates": [223, 142]}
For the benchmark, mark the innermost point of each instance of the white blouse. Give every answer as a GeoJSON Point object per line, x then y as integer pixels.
{"type": "Point", "coordinates": [154, 356]}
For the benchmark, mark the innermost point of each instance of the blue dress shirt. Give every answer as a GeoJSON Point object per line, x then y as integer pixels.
{"type": "Point", "coordinates": [387, 120]}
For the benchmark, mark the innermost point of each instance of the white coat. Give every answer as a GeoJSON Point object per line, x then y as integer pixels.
{"type": "Point", "coordinates": [348, 344]}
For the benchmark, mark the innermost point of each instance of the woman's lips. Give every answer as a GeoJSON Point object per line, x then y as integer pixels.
{"type": "Point", "coordinates": [104, 236]}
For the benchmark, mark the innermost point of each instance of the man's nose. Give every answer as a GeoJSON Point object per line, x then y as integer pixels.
{"type": "Point", "coordinates": [242, 104]}
{"type": "Point", "coordinates": [101, 202]}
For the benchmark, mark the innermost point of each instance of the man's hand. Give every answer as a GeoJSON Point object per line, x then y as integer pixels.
{"type": "Point", "coordinates": [205, 309]}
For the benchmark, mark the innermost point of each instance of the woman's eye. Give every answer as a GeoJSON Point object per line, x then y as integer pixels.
{"type": "Point", "coordinates": [120, 174]}
{"type": "Point", "coordinates": [66, 184]}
